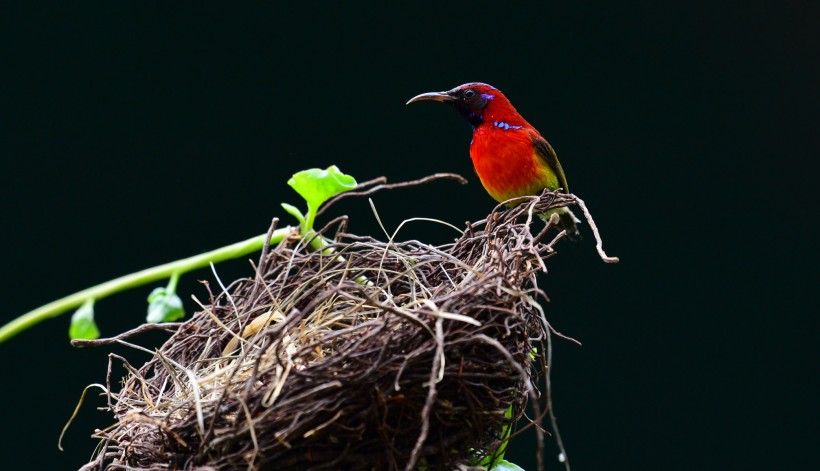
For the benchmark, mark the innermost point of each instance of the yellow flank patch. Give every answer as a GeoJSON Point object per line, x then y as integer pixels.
{"type": "Point", "coordinates": [504, 189]}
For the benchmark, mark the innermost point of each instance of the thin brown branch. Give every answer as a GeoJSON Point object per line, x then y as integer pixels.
{"type": "Point", "coordinates": [361, 191]}
{"type": "Point", "coordinates": [166, 326]}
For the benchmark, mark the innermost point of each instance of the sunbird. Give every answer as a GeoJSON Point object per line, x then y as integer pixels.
{"type": "Point", "coordinates": [510, 156]}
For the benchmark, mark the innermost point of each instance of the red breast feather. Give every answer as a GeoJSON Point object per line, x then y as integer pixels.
{"type": "Point", "coordinates": [506, 161]}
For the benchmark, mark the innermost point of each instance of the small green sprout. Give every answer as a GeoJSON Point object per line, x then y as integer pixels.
{"type": "Point", "coordinates": [163, 303]}
{"type": "Point", "coordinates": [316, 186]}
{"type": "Point", "coordinates": [82, 323]}
{"type": "Point", "coordinates": [164, 306]}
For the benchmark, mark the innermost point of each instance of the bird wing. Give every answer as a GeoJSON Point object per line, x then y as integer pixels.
{"type": "Point", "coordinates": [545, 151]}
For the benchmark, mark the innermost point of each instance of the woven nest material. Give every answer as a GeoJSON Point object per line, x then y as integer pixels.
{"type": "Point", "coordinates": [371, 355]}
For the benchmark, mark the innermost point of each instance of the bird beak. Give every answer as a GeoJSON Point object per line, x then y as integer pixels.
{"type": "Point", "coordinates": [435, 96]}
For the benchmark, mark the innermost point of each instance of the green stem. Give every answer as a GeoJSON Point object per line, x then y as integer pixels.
{"type": "Point", "coordinates": [172, 270]}
{"type": "Point", "coordinates": [173, 282]}
{"type": "Point", "coordinates": [309, 218]}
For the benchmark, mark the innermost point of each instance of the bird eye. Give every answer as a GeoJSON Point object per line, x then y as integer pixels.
{"type": "Point", "coordinates": [469, 93]}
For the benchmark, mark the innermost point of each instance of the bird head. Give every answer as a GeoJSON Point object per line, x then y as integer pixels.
{"type": "Point", "coordinates": [475, 101]}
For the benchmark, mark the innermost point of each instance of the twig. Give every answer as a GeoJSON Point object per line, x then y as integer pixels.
{"type": "Point", "coordinates": [166, 326]}
{"type": "Point", "coordinates": [76, 410]}
{"type": "Point", "coordinates": [390, 186]}
{"type": "Point", "coordinates": [599, 244]}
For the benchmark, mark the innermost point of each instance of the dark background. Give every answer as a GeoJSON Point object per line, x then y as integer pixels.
{"type": "Point", "coordinates": [133, 134]}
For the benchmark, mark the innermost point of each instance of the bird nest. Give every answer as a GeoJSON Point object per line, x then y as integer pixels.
{"type": "Point", "coordinates": [366, 355]}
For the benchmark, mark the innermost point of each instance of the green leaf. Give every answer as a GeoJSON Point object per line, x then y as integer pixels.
{"type": "Point", "coordinates": [164, 306]}
{"type": "Point", "coordinates": [317, 186]}
{"type": "Point", "coordinates": [82, 323]}
{"type": "Point", "coordinates": [505, 465]}
{"type": "Point", "coordinates": [294, 211]}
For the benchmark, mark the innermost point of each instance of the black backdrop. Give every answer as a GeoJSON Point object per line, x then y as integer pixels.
{"type": "Point", "coordinates": [134, 134]}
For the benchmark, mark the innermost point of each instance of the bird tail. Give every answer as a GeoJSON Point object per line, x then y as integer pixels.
{"type": "Point", "coordinates": [566, 221]}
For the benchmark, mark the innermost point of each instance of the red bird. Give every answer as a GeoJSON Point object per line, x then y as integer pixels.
{"type": "Point", "coordinates": [509, 155]}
